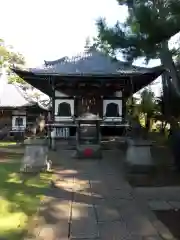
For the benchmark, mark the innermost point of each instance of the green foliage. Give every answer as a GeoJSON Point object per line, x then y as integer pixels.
{"type": "Point", "coordinates": [149, 23]}
{"type": "Point", "coordinates": [147, 103]}
{"type": "Point", "coordinates": [145, 33]}
{"type": "Point", "coordinates": [13, 78]}
{"type": "Point", "coordinates": [9, 57]}
{"type": "Point", "coordinates": [144, 109]}
{"type": "Point", "coordinates": [158, 20]}
{"type": "Point", "coordinates": [132, 107]}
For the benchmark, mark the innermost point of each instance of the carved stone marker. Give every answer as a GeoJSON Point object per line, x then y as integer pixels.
{"type": "Point", "coordinates": [35, 155]}
{"type": "Point", "coordinates": [138, 156]}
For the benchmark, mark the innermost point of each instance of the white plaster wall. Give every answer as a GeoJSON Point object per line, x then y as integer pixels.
{"type": "Point", "coordinates": [117, 101]}
{"type": "Point", "coordinates": [70, 101]}
{"type": "Point", "coordinates": [60, 94]}
{"type": "Point", "coordinates": [69, 119]}
{"type": "Point", "coordinates": [18, 113]}
{"type": "Point", "coordinates": [14, 127]}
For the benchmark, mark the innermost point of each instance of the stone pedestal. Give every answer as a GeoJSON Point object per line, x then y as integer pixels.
{"type": "Point", "coordinates": [35, 155]}
{"type": "Point", "coordinates": [138, 156]}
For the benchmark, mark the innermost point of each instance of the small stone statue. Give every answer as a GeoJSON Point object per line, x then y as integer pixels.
{"type": "Point", "coordinates": [48, 165]}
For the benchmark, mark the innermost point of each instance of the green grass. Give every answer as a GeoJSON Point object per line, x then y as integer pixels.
{"type": "Point", "coordinates": [6, 144]}
{"type": "Point", "coordinates": [18, 201]}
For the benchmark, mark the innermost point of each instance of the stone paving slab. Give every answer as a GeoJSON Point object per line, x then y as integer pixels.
{"type": "Point", "coordinates": [121, 194]}
{"type": "Point", "coordinates": [113, 202]}
{"type": "Point", "coordinates": [140, 225]}
{"type": "Point", "coordinates": [159, 193]}
{"type": "Point", "coordinates": [83, 197]}
{"type": "Point", "coordinates": [84, 229]}
{"type": "Point", "coordinates": [92, 200]}
{"type": "Point", "coordinates": [152, 238]}
{"type": "Point", "coordinates": [99, 189]}
{"type": "Point", "coordinates": [83, 221]}
{"type": "Point", "coordinates": [116, 231]}
{"type": "Point", "coordinates": [136, 221]}
{"type": "Point", "coordinates": [53, 221]}
{"type": "Point", "coordinates": [162, 230]}
{"type": "Point", "coordinates": [107, 213]}
{"type": "Point", "coordinates": [174, 204]}
{"type": "Point", "coordinates": [159, 205]}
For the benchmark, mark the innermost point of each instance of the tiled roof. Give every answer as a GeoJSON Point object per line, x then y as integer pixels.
{"type": "Point", "coordinates": [93, 62]}
{"type": "Point", "coordinates": [11, 95]}
{"type": "Point", "coordinates": [92, 66]}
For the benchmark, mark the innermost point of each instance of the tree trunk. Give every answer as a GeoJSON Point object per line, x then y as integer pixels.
{"type": "Point", "coordinates": [148, 122]}
{"type": "Point", "coordinates": [168, 63]}
{"type": "Point", "coordinates": [163, 127]}
{"type": "Point", "coordinates": [166, 100]}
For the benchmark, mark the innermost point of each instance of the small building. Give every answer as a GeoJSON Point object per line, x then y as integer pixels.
{"type": "Point", "coordinates": [17, 110]}
{"type": "Point", "coordinates": [90, 82]}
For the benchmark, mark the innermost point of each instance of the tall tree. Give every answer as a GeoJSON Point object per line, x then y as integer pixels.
{"type": "Point", "coordinates": [9, 57]}
{"type": "Point", "coordinates": [146, 32]}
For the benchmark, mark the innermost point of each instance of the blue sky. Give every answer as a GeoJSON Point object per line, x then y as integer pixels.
{"type": "Point", "coordinates": [47, 30]}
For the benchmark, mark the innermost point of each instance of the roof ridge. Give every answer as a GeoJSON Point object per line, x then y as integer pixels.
{"type": "Point", "coordinates": [86, 54]}
{"type": "Point", "coordinates": [81, 55]}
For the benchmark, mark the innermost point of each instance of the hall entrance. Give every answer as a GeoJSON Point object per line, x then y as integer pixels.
{"type": "Point", "coordinates": [90, 104]}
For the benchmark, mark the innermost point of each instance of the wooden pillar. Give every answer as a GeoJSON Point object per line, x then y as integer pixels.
{"type": "Point", "coordinates": [123, 108]}
{"type": "Point", "coordinates": [166, 99]}
{"type": "Point", "coordinates": [52, 129]}
{"type": "Point", "coordinates": [75, 106]}
{"type": "Point", "coordinates": [53, 98]}
{"type": "Point", "coordinates": [131, 97]}
{"type": "Point", "coordinates": [101, 107]}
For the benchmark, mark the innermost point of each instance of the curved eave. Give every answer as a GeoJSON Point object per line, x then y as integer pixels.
{"type": "Point", "coordinates": [136, 80]}
{"type": "Point", "coordinates": [18, 106]}
{"type": "Point", "coordinates": [142, 81]}
{"type": "Point", "coordinates": [37, 81]}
